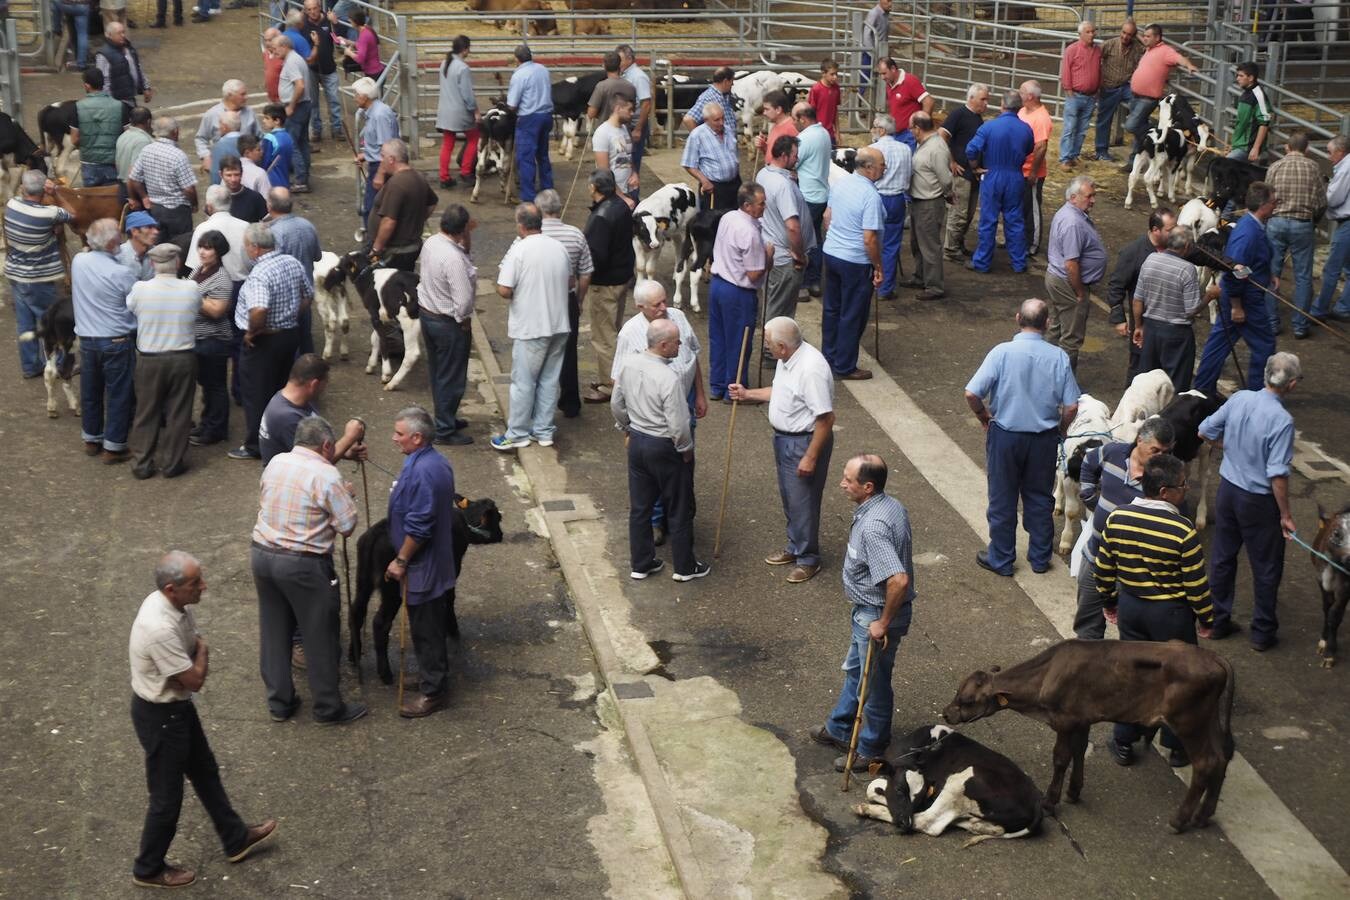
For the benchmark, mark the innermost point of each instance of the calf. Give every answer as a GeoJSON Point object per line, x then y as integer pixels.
{"type": "Point", "coordinates": [55, 331]}
{"type": "Point", "coordinates": [473, 521]}
{"type": "Point", "coordinates": [748, 92]}
{"type": "Point", "coordinates": [570, 97]}
{"type": "Point", "coordinates": [796, 84]}
{"type": "Point", "coordinates": [55, 122]}
{"type": "Point", "coordinates": [91, 204]}
{"type": "Point", "coordinates": [682, 95]}
{"type": "Point", "coordinates": [1091, 427]}
{"type": "Point", "coordinates": [944, 779]}
{"type": "Point", "coordinates": [1228, 180]}
{"type": "Point", "coordinates": [846, 158]}
{"type": "Point", "coordinates": [496, 150]}
{"type": "Point", "coordinates": [332, 299]}
{"type": "Point", "coordinates": [658, 220]}
{"type": "Point", "coordinates": [1075, 684]}
{"type": "Point", "coordinates": [1147, 394]}
{"type": "Point", "coordinates": [1178, 138]}
{"type": "Point", "coordinates": [390, 299]}
{"type": "Point", "coordinates": [1186, 411]}
{"type": "Point", "coordinates": [1333, 541]}
{"type": "Point", "coordinates": [696, 253]}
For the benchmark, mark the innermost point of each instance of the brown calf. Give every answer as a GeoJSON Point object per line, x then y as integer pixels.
{"type": "Point", "coordinates": [1077, 683]}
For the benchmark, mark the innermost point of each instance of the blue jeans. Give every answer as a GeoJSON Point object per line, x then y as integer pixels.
{"type": "Point", "coordinates": [906, 137]}
{"type": "Point", "coordinates": [532, 134]}
{"type": "Point", "coordinates": [95, 174]}
{"type": "Point", "coordinates": [368, 201]}
{"type": "Point", "coordinates": [1020, 464]}
{"type": "Point", "coordinates": [731, 309]}
{"type": "Point", "coordinates": [1137, 122]}
{"type": "Point", "coordinates": [1338, 264]}
{"type": "Point", "coordinates": [1108, 101]}
{"type": "Point", "coordinates": [329, 85]}
{"type": "Point", "coordinates": [892, 232]}
{"type": "Point", "coordinates": [213, 357]}
{"type": "Point", "coordinates": [448, 346]}
{"type": "Point", "coordinates": [1077, 115]}
{"type": "Point", "coordinates": [801, 496]}
{"type": "Point", "coordinates": [536, 364]}
{"type": "Point", "coordinates": [875, 734]}
{"type": "Point", "coordinates": [204, 7]}
{"type": "Point", "coordinates": [844, 309]}
{"type": "Point", "coordinates": [80, 14]}
{"type": "Point", "coordinates": [812, 278]}
{"type": "Point", "coordinates": [1256, 331]}
{"type": "Point", "coordinates": [297, 126]}
{"type": "Point", "coordinates": [1001, 192]}
{"type": "Point", "coordinates": [107, 367]}
{"type": "Point", "coordinates": [640, 147]}
{"type": "Point", "coordinates": [31, 299]}
{"type": "Point", "coordinates": [1295, 238]}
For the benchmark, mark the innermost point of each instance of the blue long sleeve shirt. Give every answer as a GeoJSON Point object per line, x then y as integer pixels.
{"type": "Point", "coordinates": [420, 506]}
{"type": "Point", "coordinates": [1002, 143]}
{"type": "Point", "coordinates": [1248, 244]}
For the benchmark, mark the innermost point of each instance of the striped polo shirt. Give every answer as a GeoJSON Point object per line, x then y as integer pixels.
{"type": "Point", "coordinates": [1104, 484]}
{"type": "Point", "coordinates": [166, 313]}
{"type": "Point", "coordinates": [1152, 552]}
{"type": "Point", "coordinates": [34, 254]}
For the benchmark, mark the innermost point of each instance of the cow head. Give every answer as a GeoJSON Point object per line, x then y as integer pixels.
{"type": "Point", "coordinates": [896, 791]}
{"type": "Point", "coordinates": [650, 230]}
{"type": "Point", "coordinates": [481, 518]}
{"type": "Point", "coordinates": [977, 697]}
{"type": "Point", "coordinates": [1333, 535]}
{"type": "Point", "coordinates": [1074, 464]}
{"type": "Point", "coordinates": [846, 158]}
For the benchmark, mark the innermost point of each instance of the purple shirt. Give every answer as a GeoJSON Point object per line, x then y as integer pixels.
{"type": "Point", "coordinates": [1073, 236]}
{"type": "Point", "coordinates": [421, 506]}
{"type": "Point", "coordinates": [739, 248]}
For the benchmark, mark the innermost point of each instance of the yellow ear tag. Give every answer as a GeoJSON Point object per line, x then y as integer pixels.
{"type": "Point", "coordinates": [1002, 700]}
{"type": "Point", "coordinates": [931, 790]}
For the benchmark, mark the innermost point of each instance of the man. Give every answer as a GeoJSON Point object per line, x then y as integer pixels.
{"type": "Point", "coordinates": [852, 252]}
{"type": "Point", "coordinates": [272, 63]}
{"type": "Point", "coordinates": [530, 96]}
{"type": "Point", "coordinates": [1112, 477]}
{"type": "Point", "coordinates": [801, 413]}
{"type": "Point", "coordinates": [1120, 288]}
{"type": "Point", "coordinates": [294, 32]}
{"type": "Point", "coordinates": [1120, 57]}
{"type": "Point", "coordinates": [1243, 314]}
{"type": "Point", "coordinates": [824, 97]}
{"type": "Point", "coordinates": [534, 275]}
{"type": "Point", "coordinates": [169, 663]}
{"type": "Point", "coordinates": [1166, 299]}
{"type": "Point", "coordinates": [1029, 384]}
{"type": "Point", "coordinates": [1034, 169]}
{"type": "Point", "coordinates": [377, 125]}
{"type": "Point", "coordinates": [161, 182]}
{"type": "Point", "coordinates": [278, 147]}
{"type": "Point", "coordinates": [650, 406]}
{"type": "Point", "coordinates": [401, 208]}
{"type": "Point", "coordinates": [1150, 574]}
{"type": "Point", "coordinates": [879, 584]}
{"type": "Point", "coordinates": [642, 87]}
{"type": "Point", "coordinates": [893, 186]}
{"type": "Point", "coordinates": [740, 259]}
{"type": "Point", "coordinates": [719, 92]}
{"type": "Point", "coordinates": [268, 311]}
{"type": "Point", "coordinates": [246, 204]}
{"type": "Point", "coordinates": [253, 176]}
{"type": "Point", "coordinates": [33, 258]}
{"type": "Point", "coordinates": [613, 87]}
{"type": "Point", "coordinates": [1080, 76]}
{"type": "Point", "coordinates": [1297, 181]}
{"type": "Point", "coordinates": [233, 99]}
{"type": "Point", "coordinates": [876, 32]}
{"type": "Point", "coordinates": [1251, 127]}
{"type": "Point", "coordinates": [814, 151]}
{"type": "Point", "coordinates": [226, 143]}
{"type": "Point", "coordinates": [133, 139]}
{"type": "Point", "coordinates": [1076, 261]}
{"type": "Point", "coordinates": [775, 110]}
{"type": "Point", "coordinates": [295, 98]}
{"type": "Point", "coordinates": [583, 267]}
{"type": "Point", "coordinates": [613, 145]}
{"type": "Point", "coordinates": [100, 119]}
{"type": "Point", "coordinates": [165, 308]}
{"type": "Point", "coordinates": [997, 152]}
{"type": "Point", "coordinates": [905, 95]}
{"type": "Point", "coordinates": [1256, 434]}
{"type": "Point", "coordinates": [297, 238]}
{"type": "Point", "coordinates": [786, 226]}
{"type": "Point", "coordinates": [303, 505]}
{"type": "Point", "coordinates": [609, 237]}
{"type": "Point", "coordinates": [650, 298]}
{"type": "Point", "coordinates": [294, 403]}
{"type": "Point", "coordinates": [1338, 210]}
{"type": "Point", "coordinates": [1149, 83]}
{"type": "Point", "coordinates": [99, 284]}
{"type": "Point", "coordinates": [143, 233]}
{"type": "Point", "coordinates": [445, 300]}
{"type": "Point", "coordinates": [421, 528]}
{"type": "Point", "coordinates": [323, 74]}
{"type": "Point", "coordinates": [958, 128]}
{"type": "Point", "coordinates": [710, 155]}
{"type": "Point", "coordinates": [123, 76]}
{"type": "Point", "coordinates": [930, 193]}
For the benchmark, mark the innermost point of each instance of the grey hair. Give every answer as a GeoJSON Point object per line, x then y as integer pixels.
{"type": "Point", "coordinates": [1181, 237]}
{"type": "Point", "coordinates": [418, 421]}
{"type": "Point", "coordinates": [661, 330]}
{"type": "Point", "coordinates": [168, 266]}
{"type": "Point", "coordinates": [103, 233]}
{"type": "Point", "coordinates": [283, 42]}
{"type": "Point", "coordinates": [231, 86]}
{"type": "Point", "coordinates": [218, 198]}
{"type": "Point", "coordinates": [260, 236]}
{"type": "Point", "coordinates": [1012, 100]}
{"type": "Point", "coordinates": [1085, 23]}
{"type": "Point", "coordinates": [973, 91]}
{"type": "Point", "coordinates": [1340, 143]}
{"type": "Point", "coordinates": [229, 121]}
{"type": "Point", "coordinates": [295, 18]}
{"type": "Point", "coordinates": [603, 181]}
{"type": "Point", "coordinates": [783, 329]}
{"type": "Point", "coordinates": [279, 199]}
{"type": "Point", "coordinates": [164, 126]}
{"type": "Point", "coordinates": [549, 203]}
{"type": "Point", "coordinates": [1032, 87]}
{"type": "Point", "coordinates": [366, 87]}
{"type": "Point", "coordinates": [1282, 369]}
{"type": "Point", "coordinates": [527, 217]}
{"type": "Point", "coordinates": [646, 290]}
{"type": "Point", "coordinates": [710, 106]}
{"type": "Point", "coordinates": [34, 182]}
{"type": "Point", "coordinates": [396, 146]}
{"type": "Point", "coordinates": [1076, 184]}
{"type": "Point", "coordinates": [172, 568]}
{"type": "Point", "coordinates": [1158, 429]}
{"type": "Point", "coordinates": [885, 122]}
{"type": "Point", "coordinates": [313, 432]}
{"type": "Point", "coordinates": [1034, 313]}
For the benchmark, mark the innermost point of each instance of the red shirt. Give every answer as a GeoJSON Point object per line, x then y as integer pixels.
{"type": "Point", "coordinates": [1080, 69]}
{"type": "Point", "coordinates": [1150, 76]}
{"type": "Point", "coordinates": [784, 127]}
{"type": "Point", "coordinates": [272, 76]}
{"type": "Point", "coordinates": [904, 99]}
{"type": "Point", "coordinates": [825, 100]}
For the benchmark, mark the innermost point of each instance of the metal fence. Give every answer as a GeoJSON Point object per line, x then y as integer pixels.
{"type": "Point", "coordinates": [11, 90]}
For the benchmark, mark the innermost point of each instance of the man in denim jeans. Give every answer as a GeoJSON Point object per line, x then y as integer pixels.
{"type": "Point", "coordinates": [1120, 55]}
{"type": "Point", "coordinates": [1080, 72]}
{"type": "Point", "coordinates": [99, 284]}
{"type": "Point", "coordinates": [33, 259]}
{"type": "Point", "coordinates": [879, 583]}
{"type": "Point", "coordinates": [323, 74]}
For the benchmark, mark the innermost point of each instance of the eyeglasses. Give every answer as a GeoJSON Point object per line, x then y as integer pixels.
{"type": "Point", "coordinates": [1178, 487]}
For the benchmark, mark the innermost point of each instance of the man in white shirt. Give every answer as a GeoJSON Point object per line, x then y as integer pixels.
{"type": "Point", "coordinates": [613, 146]}
{"type": "Point", "coordinates": [445, 297]}
{"type": "Point", "coordinates": [236, 263]}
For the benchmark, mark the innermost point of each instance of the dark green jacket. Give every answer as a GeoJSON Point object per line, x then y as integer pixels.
{"type": "Point", "coordinates": [100, 120]}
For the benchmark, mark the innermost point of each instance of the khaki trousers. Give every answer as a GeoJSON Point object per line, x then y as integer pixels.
{"type": "Point", "coordinates": [608, 302]}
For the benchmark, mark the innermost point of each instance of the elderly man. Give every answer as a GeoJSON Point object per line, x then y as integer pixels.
{"type": "Point", "coordinates": [814, 151]}
{"type": "Point", "coordinates": [268, 312]}
{"type": "Point", "coordinates": [905, 95]}
{"type": "Point", "coordinates": [530, 96]}
{"type": "Point", "coordinates": [401, 208]}
{"type": "Point", "coordinates": [1167, 298]}
{"type": "Point", "coordinates": [997, 152]}
{"type": "Point", "coordinates": [1148, 83]}
{"type": "Point", "coordinates": [236, 263]}
{"type": "Point", "coordinates": [169, 663]}
{"type": "Point", "coordinates": [719, 92]}
{"type": "Point", "coordinates": [133, 139]}
{"type": "Point", "coordinates": [1120, 288]}
{"type": "Point", "coordinates": [650, 407]}
{"type": "Point", "coordinates": [1338, 210]}
{"type": "Point", "coordinates": [1297, 181]}
{"type": "Point", "coordinates": [377, 124]}
{"type": "Point", "coordinates": [226, 143]}
{"type": "Point", "coordinates": [710, 156]}
{"type": "Point", "coordinates": [294, 93]}
{"type": "Point", "coordinates": [1029, 384]}
{"type": "Point", "coordinates": [609, 237]}
{"type": "Point", "coordinates": [930, 193]}
{"type": "Point", "coordinates": [958, 128]}
{"type": "Point", "coordinates": [100, 119]}
{"type": "Point", "coordinates": [1256, 433]}
{"type": "Point", "coordinates": [246, 204]}
{"type": "Point", "coordinates": [583, 267]}
{"type": "Point", "coordinates": [879, 584]}
{"type": "Point", "coordinates": [233, 98]}
{"type": "Point", "coordinates": [123, 75]}
{"type": "Point", "coordinates": [166, 369]}
{"type": "Point", "coordinates": [1119, 57]}
{"type": "Point", "coordinates": [1075, 262]}
{"type": "Point", "coordinates": [893, 186]}
{"type": "Point", "coordinates": [853, 264]}
{"type": "Point", "coordinates": [642, 86]}
{"type": "Point", "coordinates": [33, 258]}
{"type": "Point", "coordinates": [534, 275]}
{"type": "Point", "coordinates": [297, 238]}
{"type": "Point", "coordinates": [99, 284]}
{"type": "Point", "coordinates": [786, 227]}
{"type": "Point", "coordinates": [143, 233]}
{"type": "Point", "coordinates": [323, 74]}
{"type": "Point", "coordinates": [422, 530]}
{"type": "Point", "coordinates": [1080, 77]}
{"type": "Point", "coordinates": [445, 300]}
{"type": "Point", "coordinates": [740, 260]}
{"type": "Point", "coordinates": [161, 182]}
{"type": "Point", "coordinates": [1034, 169]}
{"type": "Point", "coordinates": [801, 413]}
{"type": "Point", "coordinates": [304, 504]}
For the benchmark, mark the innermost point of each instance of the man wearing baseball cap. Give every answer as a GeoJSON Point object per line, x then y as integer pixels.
{"type": "Point", "coordinates": [135, 253]}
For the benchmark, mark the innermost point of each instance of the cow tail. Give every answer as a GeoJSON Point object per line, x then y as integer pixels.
{"type": "Point", "coordinates": [1226, 707]}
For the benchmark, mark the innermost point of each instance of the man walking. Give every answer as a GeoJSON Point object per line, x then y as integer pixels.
{"type": "Point", "coordinates": [958, 128]}
{"type": "Point", "coordinates": [445, 298]}
{"type": "Point", "coordinates": [1338, 210]}
{"type": "Point", "coordinates": [609, 237]}
{"type": "Point", "coordinates": [1119, 57]}
{"type": "Point", "coordinates": [930, 193]}
{"type": "Point", "coordinates": [100, 119]}
{"type": "Point", "coordinates": [740, 260]}
{"type": "Point", "coordinates": [1080, 70]}
{"type": "Point", "coordinates": [997, 152]}
{"type": "Point", "coordinates": [1076, 261]}
{"type": "Point", "coordinates": [893, 186]}
{"type": "Point", "coordinates": [1034, 169]}
{"type": "Point", "coordinates": [786, 227]}
{"type": "Point", "coordinates": [530, 96]}
{"type": "Point", "coordinates": [123, 75]}
{"type": "Point", "coordinates": [1029, 384]}
{"type": "Point", "coordinates": [1166, 299]}
{"type": "Point", "coordinates": [1125, 276]}
{"type": "Point", "coordinates": [99, 284]}
{"type": "Point", "coordinates": [852, 252]}
{"type": "Point", "coordinates": [1297, 181]}
{"type": "Point", "coordinates": [711, 157]}
{"type": "Point", "coordinates": [33, 258]}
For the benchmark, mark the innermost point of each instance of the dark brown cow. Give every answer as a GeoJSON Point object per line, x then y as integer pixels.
{"type": "Point", "coordinates": [1333, 541]}
{"type": "Point", "coordinates": [1077, 683]}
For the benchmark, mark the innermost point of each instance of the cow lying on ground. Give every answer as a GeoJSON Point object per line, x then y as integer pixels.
{"type": "Point", "coordinates": [1178, 140]}
{"type": "Point", "coordinates": [1091, 427]}
{"type": "Point", "coordinates": [660, 219]}
{"type": "Point", "coordinates": [696, 253]}
{"type": "Point", "coordinates": [332, 300]}
{"type": "Point", "coordinates": [474, 522]}
{"type": "Point", "coordinates": [55, 122]}
{"type": "Point", "coordinates": [1075, 684]}
{"type": "Point", "coordinates": [1147, 394]}
{"type": "Point", "coordinates": [1332, 540]}
{"type": "Point", "coordinates": [943, 779]}
{"type": "Point", "coordinates": [55, 333]}
{"type": "Point", "coordinates": [496, 150]}
{"type": "Point", "coordinates": [1186, 411]}
{"type": "Point", "coordinates": [570, 96]}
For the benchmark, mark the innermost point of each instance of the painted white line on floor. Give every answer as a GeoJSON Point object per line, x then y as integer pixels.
{"type": "Point", "coordinates": [192, 104]}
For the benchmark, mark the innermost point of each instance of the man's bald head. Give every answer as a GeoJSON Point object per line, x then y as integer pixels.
{"type": "Point", "coordinates": [663, 338]}
{"type": "Point", "coordinates": [870, 163]}
{"type": "Point", "coordinates": [1034, 313]}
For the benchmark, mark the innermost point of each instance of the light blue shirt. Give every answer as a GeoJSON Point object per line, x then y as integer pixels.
{"type": "Point", "coordinates": [855, 207]}
{"type": "Point", "coordinates": [139, 266]}
{"type": "Point", "coordinates": [297, 238]}
{"type": "Point", "coordinates": [99, 285]}
{"type": "Point", "coordinates": [642, 84]}
{"type": "Point", "coordinates": [530, 91]}
{"type": "Point", "coordinates": [813, 163]}
{"type": "Point", "coordinates": [381, 125]}
{"type": "Point", "coordinates": [1026, 382]}
{"type": "Point", "coordinates": [899, 166]}
{"type": "Point", "coordinates": [1338, 191]}
{"type": "Point", "coordinates": [716, 157]}
{"type": "Point", "coordinates": [1258, 439]}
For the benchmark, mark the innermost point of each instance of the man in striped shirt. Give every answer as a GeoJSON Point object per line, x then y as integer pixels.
{"type": "Point", "coordinates": [33, 259]}
{"type": "Point", "coordinates": [1166, 298]}
{"type": "Point", "coordinates": [162, 183]}
{"type": "Point", "coordinates": [718, 92]}
{"type": "Point", "coordinates": [1150, 573]}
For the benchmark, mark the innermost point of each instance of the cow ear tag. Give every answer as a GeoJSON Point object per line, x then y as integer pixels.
{"type": "Point", "coordinates": [1002, 700]}
{"type": "Point", "coordinates": [931, 790]}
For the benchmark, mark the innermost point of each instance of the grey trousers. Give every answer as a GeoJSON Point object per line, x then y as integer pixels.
{"type": "Point", "coordinates": [926, 221]}
{"type": "Point", "coordinates": [165, 385]}
{"type": "Point", "coordinates": [1089, 623]}
{"type": "Point", "coordinates": [965, 195]}
{"type": "Point", "coordinates": [297, 590]}
{"type": "Point", "coordinates": [801, 496]}
{"type": "Point", "coordinates": [780, 293]}
{"type": "Point", "coordinates": [1068, 317]}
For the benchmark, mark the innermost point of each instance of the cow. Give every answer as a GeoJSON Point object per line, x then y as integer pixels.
{"type": "Point", "coordinates": [1185, 413]}
{"type": "Point", "coordinates": [1077, 683]}
{"type": "Point", "coordinates": [944, 778]}
{"type": "Point", "coordinates": [660, 219]}
{"type": "Point", "coordinates": [748, 91]}
{"type": "Point", "coordinates": [846, 158]}
{"type": "Point", "coordinates": [91, 204]}
{"type": "Point", "coordinates": [796, 84]}
{"type": "Point", "coordinates": [570, 96]}
{"type": "Point", "coordinates": [544, 24]}
{"type": "Point", "coordinates": [680, 97]}
{"type": "Point", "coordinates": [496, 150]}
{"type": "Point", "coordinates": [837, 173]}
{"type": "Point", "coordinates": [1091, 427]}
{"type": "Point", "coordinates": [1333, 542]}
{"type": "Point", "coordinates": [55, 331]}
{"type": "Point", "coordinates": [1147, 394]}
{"type": "Point", "coordinates": [473, 521]}
{"type": "Point", "coordinates": [1228, 180]}
{"type": "Point", "coordinates": [390, 299]}
{"type": "Point", "coordinates": [332, 300]}
{"type": "Point", "coordinates": [55, 122]}
{"type": "Point", "coordinates": [696, 253]}
{"type": "Point", "coordinates": [1178, 138]}
{"type": "Point", "coordinates": [18, 153]}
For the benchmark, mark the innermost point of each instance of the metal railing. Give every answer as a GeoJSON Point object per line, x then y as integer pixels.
{"type": "Point", "coordinates": [11, 89]}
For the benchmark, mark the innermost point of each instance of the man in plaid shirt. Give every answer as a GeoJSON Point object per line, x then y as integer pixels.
{"type": "Point", "coordinates": [304, 504]}
{"type": "Point", "coordinates": [1298, 183]}
{"type": "Point", "coordinates": [161, 181]}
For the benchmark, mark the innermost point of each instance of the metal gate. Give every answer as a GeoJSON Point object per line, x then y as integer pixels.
{"type": "Point", "coordinates": [11, 92]}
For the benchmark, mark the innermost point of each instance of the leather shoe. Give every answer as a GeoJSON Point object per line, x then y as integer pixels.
{"type": "Point", "coordinates": [822, 736]}
{"type": "Point", "coordinates": [454, 439]}
{"type": "Point", "coordinates": [802, 573]}
{"type": "Point", "coordinates": [931, 295]}
{"type": "Point", "coordinates": [1123, 754]}
{"type": "Point", "coordinates": [914, 283]}
{"type": "Point", "coordinates": [1222, 630]}
{"type": "Point", "coordinates": [92, 448]}
{"type": "Point", "coordinates": [971, 267]}
{"type": "Point", "coordinates": [982, 559]}
{"type": "Point", "coordinates": [112, 457]}
{"type": "Point", "coordinates": [142, 474]}
{"type": "Point", "coordinates": [169, 877]}
{"type": "Point", "coordinates": [461, 424]}
{"type": "Point", "coordinates": [255, 836]}
{"type": "Point", "coordinates": [287, 715]}
{"type": "Point", "coordinates": [860, 763]}
{"type": "Point", "coordinates": [350, 713]}
{"type": "Point", "coordinates": [176, 470]}
{"type": "Point", "coordinates": [857, 375]}
{"type": "Point", "coordinates": [421, 705]}
{"type": "Point", "coordinates": [781, 558]}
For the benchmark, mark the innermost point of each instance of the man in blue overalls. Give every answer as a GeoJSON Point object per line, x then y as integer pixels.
{"type": "Point", "coordinates": [530, 97]}
{"type": "Point", "coordinates": [1000, 147]}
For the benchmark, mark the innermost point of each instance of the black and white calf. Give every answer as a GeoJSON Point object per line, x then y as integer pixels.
{"type": "Point", "coordinates": [390, 298]}
{"type": "Point", "coordinates": [943, 778]}
{"type": "Point", "coordinates": [569, 106]}
{"type": "Point", "coordinates": [1178, 139]}
{"type": "Point", "coordinates": [846, 158]}
{"type": "Point", "coordinates": [332, 300]}
{"type": "Point", "coordinates": [660, 219]}
{"type": "Point", "coordinates": [1186, 411]}
{"type": "Point", "coordinates": [55, 122]}
{"type": "Point", "coordinates": [496, 148]}
{"type": "Point", "coordinates": [1228, 179]}
{"type": "Point", "coordinates": [696, 253]}
{"type": "Point", "coordinates": [679, 96]}
{"type": "Point", "coordinates": [748, 92]}
{"type": "Point", "coordinates": [55, 333]}
{"type": "Point", "coordinates": [1091, 427]}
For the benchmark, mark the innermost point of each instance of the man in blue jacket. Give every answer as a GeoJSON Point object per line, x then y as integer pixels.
{"type": "Point", "coordinates": [999, 148]}
{"type": "Point", "coordinates": [422, 532]}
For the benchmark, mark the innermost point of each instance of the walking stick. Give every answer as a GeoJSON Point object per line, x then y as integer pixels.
{"type": "Point", "coordinates": [857, 718]}
{"type": "Point", "coordinates": [581, 157]}
{"type": "Point", "coordinates": [763, 314]}
{"type": "Point", "coordinates": [402, 636]}
{"type": "Point", "coordinates": [876, 327]}
{"type": "Point", "coordinates": [726, 463]}
{"type": "Point", "coordinates": [365, 490]}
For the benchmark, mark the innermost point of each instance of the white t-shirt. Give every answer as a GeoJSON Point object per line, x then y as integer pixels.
{"type": "Point", "coordinates": [803, 389]}
{"type": "Point", "coordinates": [537, 270]}
{"type": "Point", "coordinates": [618, 143]}
{"type": "Point", "coordinates": [161, 645]}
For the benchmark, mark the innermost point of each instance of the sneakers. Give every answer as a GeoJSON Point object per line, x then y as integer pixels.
{"type": "Point", "coordinates": [504, 443]}
{"type": "Point", "coordinates": [242, 452]}
{"type": "Point", "coordinates": [700, 569]}
{"type": "Point", "coordinates": [350, 713]}
{"type": "Point", "coordinates": [542, 441]}
{"type": "Point", "coordinates": [639, 574]}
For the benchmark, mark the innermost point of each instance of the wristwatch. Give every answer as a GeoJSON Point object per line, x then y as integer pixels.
{"type": "Point", "coordinates": [401, 561]}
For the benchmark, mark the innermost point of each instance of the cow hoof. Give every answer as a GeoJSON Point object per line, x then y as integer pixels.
{"type": "Point", "coordinates": [53, 414]}
{"type": "Point", "coordinates": [1050, 809]}
{"type": "Point", "coordinates": [1322, 647]}
{"type": "Point", "coordinates": [1072, 797]}
{"type": "Point", "coordinates": [343, 356]}
{"type": "Point", "coordinates": [860, 809]}
{"type": "Point", "coordinates": [1200, 822]}
{"type": "Point", "coordinates": [370, 370]}
{"type": "Point", "coordinates": [1176, 827]}
{"type": "Point", "coordinates": [391, 386]}
{"type": "Point", "coordinates": [1328, 662]}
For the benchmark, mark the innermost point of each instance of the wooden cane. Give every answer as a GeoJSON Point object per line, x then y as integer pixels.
{"type": "Point", "coordinates": [876, 327]}
{"type": "Point", "coordinates": [726, 464]}
{"type": "Point", "coordinates": [403, 637]}
{"type": "Point", "coordinates": [763, 313]}
{"type": "Point", "coordinates": [857, 718]}
{"type": "Point", "coordinates": [581, 158]}
{"type": "Point", "coordinates": [365, 490]}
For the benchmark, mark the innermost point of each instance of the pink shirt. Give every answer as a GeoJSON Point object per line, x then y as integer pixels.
{"type": "Point", "coordinates": [1150, 76]}
{"type": "Point", "coordinates": [1080, 70]}
{"type": "Point", "coordinates": [368, 53]}
{"type": "Point", "coordinates": [1041, 126]}
{"type": "Point", "coordinates": [784, 127]}
{"type": "Point", "coordinates": [739, 248]}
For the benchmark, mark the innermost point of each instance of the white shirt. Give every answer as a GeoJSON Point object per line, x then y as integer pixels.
{"type": "Point", "coordinates": [633, 339]}
{"type": "Point", "coordinates": [449, 281]}
{"type": "Point", "coordinates": [618, 143]}
{"type": "Point", "coordinates": [236, 263]}
{"type": "Point", "coordinates": [162, 640]}
{"type": "Point", "coordinates": [803, 390]}
{"type": "Point", "coordinates": [537, 270]}
{"type": "Point", "coordinates": [255, 177]}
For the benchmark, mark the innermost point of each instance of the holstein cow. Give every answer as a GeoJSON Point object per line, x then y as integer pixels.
{"type": "Point", "coordinates": [496, 151]}
{"type": "Point", "coordinates": [56, 333]}
{"type": "Point", "coordinates": [1075, 684]}
{"type": "Point", "coordinates": [55, 122]}
{"type": "Point", "coordinates": [18, 154]}
{"type": "Point", "coordinates": [943, 779]}
{"type": "Point", "coordinates": [1228, 179]}
{"type": "Point", "coordinates": [473, 521]}
{"type": "Point", "coordinates": [544, 24]}
{"type": "Point", "coordinates": [390, 299]}
{"type": "Point", "coordinates": [748, 92]}
{"type": "Point", "coordinates": [660, 219]}
{"type": "Point", "coordinates": [684, 94]}
{"type": "Point", "coordinates": [332, 299]}
{"type": "Point", "coordinates": [1178, 138]}
{"type": "Point", "coordinates": [1091, 427]}
{"type": "Point", "coordinates": [1147, 394]}
{"type": "Point", "coordinates": [1333, 541]}
{"type": "Point", "coordinates": [696, 253]}
{"type": "Point", "coordinates": [846, 158]}
{"type": "Point", "coordinates": [1186, 412]}
{"type": "Point", "coordinates": [569, 105]}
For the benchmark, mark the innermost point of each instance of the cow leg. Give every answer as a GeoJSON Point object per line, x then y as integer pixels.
{"type": "Point", "coordinates": [323, 305]}
{"type": "Point", "coordinates": [1062, 756]}
{"type": "Point", "coordinates": [1333, 613]}
{"type": "Point", "coordinates": [390, 601]}
{"type": "Point", "coordinates": [1202, 756]}
{"type": "Point", "coordinates": [1080, 742]}
{"type": "Point", "coordinates": [679, 276]}
{"type": "Point", "coordinates": [374, 352]}
{"type": "Point", "coordinates": [412, 348]}
{"type": "Point", "coordinates": [946, 809]}
{"type": "Point", "coordinates": [1214, 775]}
{"type": "Point", "coordinates": [1135, 173]}
{"type": "Point", "coordinates": [1200, 480]}
{"type": "Point", "coordinates": [49, 378]}
{"type": "Point", "coordinates": [72, 398]}
{"type": "Point", "coordinates": [876, 811]}
{"type": "Point", "coordinates": [483, 154]}
{"type": "Point", "coordinates": [695, 276]}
